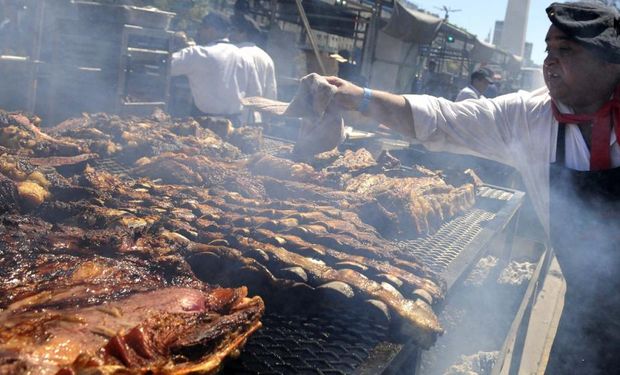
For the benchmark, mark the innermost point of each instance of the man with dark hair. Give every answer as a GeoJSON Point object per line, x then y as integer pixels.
{"type": "Point", "coordinates": [478, 84]}
{"type": "Point", "coordinates": [219, 75]}
{"type": "Point", "coordinates": [564, 140]}
{"type": "Point", "coordinates": [246, 34]}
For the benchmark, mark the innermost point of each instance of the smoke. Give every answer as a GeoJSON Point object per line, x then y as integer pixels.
{"type": "Point", "coordinates": [585, 232]}
{"type": "Point", "coordinates": [477, 316]}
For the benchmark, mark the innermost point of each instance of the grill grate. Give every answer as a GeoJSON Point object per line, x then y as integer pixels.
{"type": "Point", "coordinates": [437, 251]}
{"type": "Point", "coordinates": [273, 146]}
{"type": "Point", "coordinates": [329, 341]}
{"type": "Point", "coordinates": [112, 166]}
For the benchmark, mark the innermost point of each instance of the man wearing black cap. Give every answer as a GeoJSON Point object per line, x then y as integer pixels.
{"type": "Point", "coordinates": [478, 83]}
{"type": "Point", "coordinates": [219, 74]}
{"type": "Point", "coordinates": [564, 140]}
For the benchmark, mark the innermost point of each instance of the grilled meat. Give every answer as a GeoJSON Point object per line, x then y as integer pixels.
{"type": "Point", "coordinates": [131, 138]}
{"type": "Point", "coordinates": [352, 161]}
{"type": "Point", "coordinates": [422, 204]}
{"type": "Point", "coordinates": [68, 306]}
{"type": "Point", "coordinates": [144, 332]}
{"type": "Point", "coordinates": [272, 166]}
{"type": "Point", "coordinates": [20, 134]}
{"type": "Point", "coordinates": [417, 317]}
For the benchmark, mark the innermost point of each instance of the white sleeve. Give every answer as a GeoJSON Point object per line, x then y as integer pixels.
{"type": "Point", "coordinates": [253, 86]}
{"type": "Point", "coordinates": [182, 61]}
{"type": "Point", "coordinates": [492, 128]}
{"type": "Point", "coordinates": [464, 95]}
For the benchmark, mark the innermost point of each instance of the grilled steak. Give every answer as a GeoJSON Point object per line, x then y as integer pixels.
{"type": "Point", "coordinates": [68, 306]}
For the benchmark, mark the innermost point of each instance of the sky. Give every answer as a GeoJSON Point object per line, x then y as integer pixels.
{"type": "Point", "coordinates": [479, 16]}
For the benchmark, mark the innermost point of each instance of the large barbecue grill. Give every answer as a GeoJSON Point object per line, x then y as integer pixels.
{"type": "Point", "coordinates": [332, 339]}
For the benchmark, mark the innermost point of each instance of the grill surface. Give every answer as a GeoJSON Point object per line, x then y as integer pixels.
{"type": "Point", "coordinates": [112, 166]}
{"type": "Point", "coordinates": [329, 341]}
{"type": "Point", "coordinates": [440, 249]}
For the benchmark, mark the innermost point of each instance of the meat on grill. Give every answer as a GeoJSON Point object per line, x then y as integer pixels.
{"type": "Point", "coordinates": [98, 243]}
{"type": "Point", "coordinates": [68, 307]}
{"type": "Point", "coordinates": [422, 204]}
{"type": "Point", "coordinates": [19, 134]}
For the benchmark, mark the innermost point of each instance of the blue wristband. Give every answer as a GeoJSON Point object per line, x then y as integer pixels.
{"type": "Point", "coordinates": [363, 107]}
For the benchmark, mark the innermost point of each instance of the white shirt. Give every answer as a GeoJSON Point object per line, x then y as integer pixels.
{"type": "Point", "coordinates": [516, 129]}
{"type": "Point", "coordinates": [265, 69]}
{"type": "Point", "coordinates": [219, 76]}
{"type": "Point", "coordinates": [468, 92]}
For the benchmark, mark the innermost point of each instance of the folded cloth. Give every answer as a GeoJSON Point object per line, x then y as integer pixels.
{"type": "Point", "coordinates": [322, 126]}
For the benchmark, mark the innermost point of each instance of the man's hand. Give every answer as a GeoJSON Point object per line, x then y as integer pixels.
{"type": "Point", "coordinates": [348, 95]}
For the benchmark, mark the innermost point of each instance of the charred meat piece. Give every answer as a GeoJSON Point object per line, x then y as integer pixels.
{"type": "Point", "coordinates": [422, 204]}
{"type": "Point", "coordinates": [283, 169]}
{"type": "Point", "coordinates": [248, 139]}
{"type": "Point", "coordinates": [198, 170]}
{"type": "Point", "coordinates": [426, 279]}
{"type": "Point", "coordinates": [20, 134]}
{"type": "Point", "coordinates": [178, 329]}
{"type": "Point", "coordinates": [416, 317]}
{"type": "Point", "coordinates": [106, 301]}
{"type": "Point", "coordinates": [352, 161]}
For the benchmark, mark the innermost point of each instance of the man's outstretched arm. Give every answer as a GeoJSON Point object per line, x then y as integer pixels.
{"type": "Point", "coordinates": [390, 110]}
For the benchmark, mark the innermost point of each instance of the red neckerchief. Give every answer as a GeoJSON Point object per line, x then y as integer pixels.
{"type": "Point", "coordinates": [603, 121]}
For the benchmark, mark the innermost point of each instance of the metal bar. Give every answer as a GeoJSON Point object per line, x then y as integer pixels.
{"type": "Point", "coordinates": [35, 55]}
{"type": "Point", "coordinates": [469, 256]}
{"type": "Point", "coordinates": [315, 48]}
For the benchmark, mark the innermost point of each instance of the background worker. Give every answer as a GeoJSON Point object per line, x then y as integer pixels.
{"type": "Point", "coordinates": [478, 84]}
{"type": "Point", "coordinates": [219, 75]}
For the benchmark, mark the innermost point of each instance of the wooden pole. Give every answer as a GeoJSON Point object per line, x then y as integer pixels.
{"type": "Point", "coordinates": [315, 48]}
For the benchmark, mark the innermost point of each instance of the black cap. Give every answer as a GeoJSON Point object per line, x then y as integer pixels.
{"type": "Point", "coordinates": [593, 25]}
{"type": "Point", "coordinates": [483, 73]}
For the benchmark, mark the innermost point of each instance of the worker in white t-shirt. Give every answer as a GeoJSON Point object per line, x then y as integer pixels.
{"type": "Point", "coordinates": [247, 35]}
{"type": "Point", "coordinates": [219, 74]}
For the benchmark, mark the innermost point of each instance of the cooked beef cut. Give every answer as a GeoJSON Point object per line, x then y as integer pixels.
{"type": "Point", "coordinates": [273, 166]}
{"type": "Point", "coordinates": [21, 135]}
{"type": "Point", "coordinates": [352, 161]}
{"type": "Point", "coordinates": [9, 196]}
{"type": "Point", "coordinates": [219, 125]}
{"type": "Point", "coordinates": [75, 301]}
{"type": "Point", "coordinates": [248, 139]}
{"type": "Point", "coordinates": [200, 170]}
{"type": "Point", "coordinates": [130, 138]}
{"type": "Point", "coordinates": [417, 318]}
{"type": "Point", "coordinates": [59, 161]}
{"type": "Point", "coordinates": [298, 191]}
{"type": "Point", "coordinates": [169, 171]}
{"type": "Point", "coordinates": [422, 204]}
{"type": "Point", "coordinates": [178, 330]}
{"type": "Point", "coordinates": [36, 184]}
{"type": "Point", "coordinates": [425, 279]}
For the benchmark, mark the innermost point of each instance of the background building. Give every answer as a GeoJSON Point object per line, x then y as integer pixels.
{"type": "Point", "coordinates": [515, 26]}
